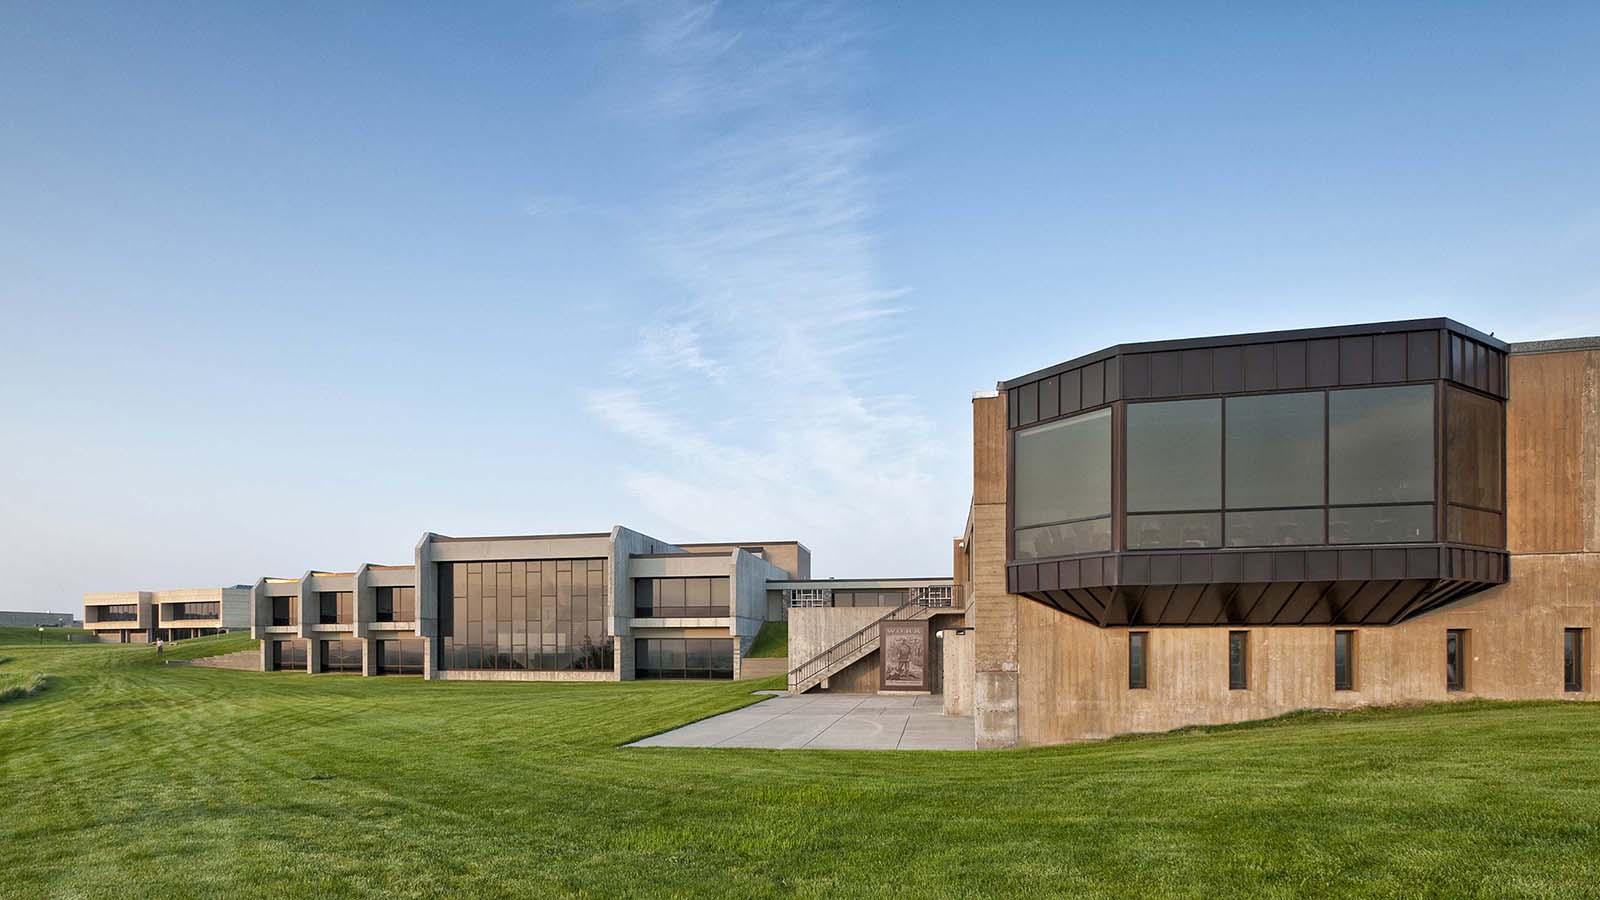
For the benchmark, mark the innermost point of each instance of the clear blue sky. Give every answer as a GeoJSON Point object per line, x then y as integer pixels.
{"type": "Point", "coordinates": [285, 285]}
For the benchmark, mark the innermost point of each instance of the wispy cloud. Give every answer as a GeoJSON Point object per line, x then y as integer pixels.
{"type": "Point", "coordinates": [757, 391]}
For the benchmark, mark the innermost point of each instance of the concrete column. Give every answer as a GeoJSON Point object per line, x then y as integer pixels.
{"type": "Point", "coordinates": [369, 657]}
{"type": "Point", "coordinates": [738, 659]}
{"type": "Point", "coordinates": [622, 653]}
{"type": "Point", "coordinates": [959, 672]}
{"type": "Point", "coordinates": [266, 655]}
{"type": "Point", "coordinates": [430, 664]}
{"type": "Point", "coordinates": [994, 610]}
{"type": "Point", "coordinates": [314, 655]}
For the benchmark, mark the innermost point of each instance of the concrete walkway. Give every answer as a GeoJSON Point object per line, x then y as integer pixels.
{"type": "Point", "coordinates": [829, 722]}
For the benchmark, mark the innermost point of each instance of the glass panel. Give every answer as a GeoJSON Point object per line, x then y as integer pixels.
{"type": "Point", "coordinates": [1136, 658]}
{"type": "Point", "coordinates": [1275, 450]}
{"type": "Point", "coordinates": [1343, 660]}
{"type": "Point", "coordinates": [1063, 470]}
{"type": "Point", "coordinates": [1380, 524]}
{"type": "Point", "coordinates": [1572, 674]}
{"type": "Point", "coordinates": [1175, 530]}
{"type": "Point", "coordinates": [1064, 540]}
{"type": "Point", "coordinates": [502, 622]}
{"type": "Point", "coordinates": [1238, 673]}
{"type": "Point", "coordinates": [1380, 445]}
{"type": "Point", "coordinates": [1175, 455]}
{"type": "Point", "coordinates": [1274, 527]}
{"type": "Point", "coordinates": [1475, 463]}
{"type": "Point", "coordinates": [1452, 661]}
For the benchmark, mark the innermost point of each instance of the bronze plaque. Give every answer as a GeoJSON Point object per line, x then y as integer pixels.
{"type": "Point", "coordinates": [903, 650]}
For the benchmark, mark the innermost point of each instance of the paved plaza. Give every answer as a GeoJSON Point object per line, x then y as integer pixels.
{"type": "Point", "coordinates": [829, 722]}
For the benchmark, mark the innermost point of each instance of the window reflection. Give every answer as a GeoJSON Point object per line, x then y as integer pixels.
{"type": "Point", "coordinates": [542, 615]}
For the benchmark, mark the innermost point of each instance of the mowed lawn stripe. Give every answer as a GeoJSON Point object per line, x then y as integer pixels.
{"type": "Point", "coordinates": [128, 778]}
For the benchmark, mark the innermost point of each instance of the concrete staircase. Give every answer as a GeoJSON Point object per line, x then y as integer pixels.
{"type": "Point", "coordinates": [835, 659]}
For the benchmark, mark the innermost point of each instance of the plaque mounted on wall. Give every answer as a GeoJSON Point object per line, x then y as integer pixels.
{"type": "Point", "coordinates": [903, 649]}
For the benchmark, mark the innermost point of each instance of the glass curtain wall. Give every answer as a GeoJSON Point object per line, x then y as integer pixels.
{"type": "Point", "coordinates": [539, 615]}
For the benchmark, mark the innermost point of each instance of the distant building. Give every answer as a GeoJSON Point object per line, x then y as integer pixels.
{"type": "Point", "coordinates": [137, 617]}
{"type": "Point", "coordinates": [35, 619]}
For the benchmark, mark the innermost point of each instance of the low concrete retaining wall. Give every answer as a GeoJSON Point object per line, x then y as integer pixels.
{"type": "Point", "coordinates": [763, 668]}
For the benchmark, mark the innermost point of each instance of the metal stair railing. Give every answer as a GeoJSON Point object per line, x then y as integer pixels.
{"type": "Point", "coordinates": [863, 639]}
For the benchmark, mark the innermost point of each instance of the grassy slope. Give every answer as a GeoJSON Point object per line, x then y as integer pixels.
{"type": "Point", "coordinates": [771, 641]}
{"type": "Point", "coordinates": [17, 635]}
{"type": "Point", "coordinates": [128, 779]}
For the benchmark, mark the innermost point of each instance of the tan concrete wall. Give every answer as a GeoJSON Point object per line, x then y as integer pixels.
{"type": "Point", "coordinates": [815, 629]}
{"type": "Point", "coordinates": [958, 672]}
{"type": "Point", "coordinates": [1074, 686]}
{"type": "Point", "coordinates": [1553, 453]}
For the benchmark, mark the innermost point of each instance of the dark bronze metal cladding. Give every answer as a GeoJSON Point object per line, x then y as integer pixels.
{"type": "Point", "coordinates": [1319, 584]}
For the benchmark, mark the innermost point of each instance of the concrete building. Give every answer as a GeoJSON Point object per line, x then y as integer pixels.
{"type": "Point", "coordinates": [604, 606]}
{"type": "Point", "coordinates": [27, 619]}
{"type": "Point", "coordinates": [1222, 529]}
{"type": "Point", "coordinates": [144, 616]}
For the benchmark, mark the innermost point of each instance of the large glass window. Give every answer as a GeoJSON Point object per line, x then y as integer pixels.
{"type": "Point", "coordinates": [1175, 456]}
{"type": "Point", "coordinates": [400, 657]}
{"type": "Point", "coordinates": [681, 597]}
{"type": "Point", "coordinates": [1275, 527]}
{"type": "Point", "coordinates": [683, 658]}
{"type": "Point", "coordinates": [1275, 451]}
{"type": "Point", "coordinates": [340, 656]}
{"type": "Point", "coordinates": [396, 604]}
{"type": "Point", "coordinates": [121, 612]}
{"type": "Point", "coordinates": [285, 610]}
{"type": "Point", "coordinates": [1062, 482]}
{"type": "Point", "coordinates": [546, 615]}
{"type": "Point", "coordinates": [288, 656]}
{"type": "Point", "coordinates": [1175, 530]}
{"type": "Point", "coordinates": [198, 610]}
{"type": "Point", "coordinates": [1380, 445]}
{"type": "Point", "coordinates": [336, 607]}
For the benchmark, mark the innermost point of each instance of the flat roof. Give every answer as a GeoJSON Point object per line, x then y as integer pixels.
{"type": "Point", "coordinates": [521, 537]}
{"type": "Point", "coordinates": [1556, 346]}
{"type": "Point", "coordinates": [858, 582]}
{"type": "Point", "coordinates": [1260, 337]}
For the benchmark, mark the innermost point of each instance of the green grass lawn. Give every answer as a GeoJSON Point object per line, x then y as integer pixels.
{"type": "Point", "coordinates": [125, 778]}
{"type": "Point", "coordinates": [772, 641]}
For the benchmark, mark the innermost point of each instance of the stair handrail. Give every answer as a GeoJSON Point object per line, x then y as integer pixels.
{"type": "Point", "coordinates": [858, 637]}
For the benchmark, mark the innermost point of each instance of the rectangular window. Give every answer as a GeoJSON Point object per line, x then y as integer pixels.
{"type": "Point", "coordinates": [1380, 524]}
{"type": "Point", "coordinates": [1189, 530]}
{"type": "Point", "coordinates": [1063, 481]}
{"type": "Point", "coordinates": [336, 607]}
{"type": "Point", "coordinates": [1344, 660]}
{"type": "Point", "coordinates": [1138, 659]}
{"type": "Point", "coordinates": [1380, 445]}
{"type": "Point", "coordinates": [396, 604]}
{"type": "Point", "coordinates": [1175, 456]}
{"type": "Point", "coordinates": [288, 656]}
{"type": "Point", "coordinates": [1455, 659]}
{"type": "Point", "coordinates": [1238, 660]}
{"type": "Point", "coordinates": [1572, 670]}
{"type": "Point", "coordinates": [340, 656]}
{"type": "Point", "coordinates": [696, 658]}
{"type": "Point", "coordinates": [285, 611]}
{"type": "Point", "coordinates": [1274, 449]}
{"type": "Point", "coordinates": [681, 597]}
{"type": "Point", "coordinates": [400, 657]}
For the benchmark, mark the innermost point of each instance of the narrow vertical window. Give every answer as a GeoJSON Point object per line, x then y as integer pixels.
{"type": "Point", "coordinates": [1455, 659]}
{"type": "Point", "coordinates": [1138, 659]}
{"type": "Point", "coordinates": [1238, 660]}
{"type": "Point", "coordinates": [1573, 663]}
{"type": "Point", "coordinates": [1344, 660]}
